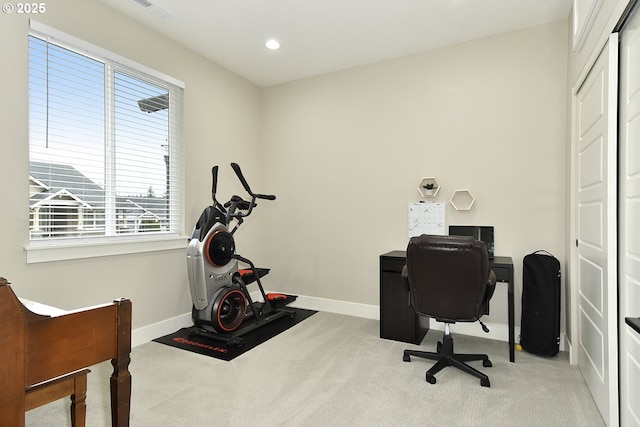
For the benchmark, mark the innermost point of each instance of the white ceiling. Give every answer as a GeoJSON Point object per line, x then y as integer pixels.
{"type": "Point", "coordinates": [320, 36]}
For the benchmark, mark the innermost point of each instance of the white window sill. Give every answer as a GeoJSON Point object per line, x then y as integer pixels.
{"type": "Point", "coordinates": [37, 252]}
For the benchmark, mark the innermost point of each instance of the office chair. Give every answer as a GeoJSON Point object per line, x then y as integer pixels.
{"type": "Point", "coordinates": [449, 279]}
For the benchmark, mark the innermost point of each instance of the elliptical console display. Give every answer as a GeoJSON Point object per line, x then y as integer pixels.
{"type": "Point", "coordinates": [222, 306]}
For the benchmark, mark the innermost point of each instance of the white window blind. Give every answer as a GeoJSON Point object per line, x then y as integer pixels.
{"type": "Point", "coordinates": [105, 146]}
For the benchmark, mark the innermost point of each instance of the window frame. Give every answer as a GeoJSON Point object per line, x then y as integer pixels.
{"type": "Point", "coordinates": [46, 250]}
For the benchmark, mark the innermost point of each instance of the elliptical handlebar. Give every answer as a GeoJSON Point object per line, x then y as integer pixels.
{"type": "Point", "coordinates": [266, 196]}
{"type": "Point", "coordinates": [236, 169]}
{"type": "Point", "coordinates": [237, 202]}
{"type": "Point", "coordinates": [214, 182]}
{"type": "Point", "coordinates": [214, 189]}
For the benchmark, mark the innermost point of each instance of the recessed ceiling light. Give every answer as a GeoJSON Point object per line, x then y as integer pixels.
{"type": "Point", "coordinates": [272, 44]}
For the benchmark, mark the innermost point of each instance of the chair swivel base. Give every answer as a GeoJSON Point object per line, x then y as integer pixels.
{"type": "Point", "coordinates": [445, 357]}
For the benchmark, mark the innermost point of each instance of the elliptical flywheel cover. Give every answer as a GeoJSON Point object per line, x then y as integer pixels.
{"type": "Point", "coordinates": [229, 309]}
{"type": "Point", "coordinates": [220, 248]}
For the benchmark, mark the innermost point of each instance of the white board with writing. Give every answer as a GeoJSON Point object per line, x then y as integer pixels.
{"type": "Point", "coordinates": [426, 218]}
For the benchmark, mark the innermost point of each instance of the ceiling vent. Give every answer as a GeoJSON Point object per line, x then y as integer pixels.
{"type": "Point", "coordinates": [144, 3]}
{"type": "Point", "coordinates": [154, 8]}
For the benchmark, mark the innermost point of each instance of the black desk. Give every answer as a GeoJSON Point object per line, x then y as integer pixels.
{"type": "Point", "coordinates": [399, 322]}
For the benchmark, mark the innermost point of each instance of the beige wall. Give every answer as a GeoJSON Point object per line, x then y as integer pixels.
{"type": "Point", "coordinates": [221, 125]}
{"type": "Point", "coordinates": [345, 153]}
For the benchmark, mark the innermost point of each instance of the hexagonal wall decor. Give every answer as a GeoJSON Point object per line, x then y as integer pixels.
{"type": "Point", "coordinates": [428, 187]}
{"type": "Point", "coordinates": [462, 200]}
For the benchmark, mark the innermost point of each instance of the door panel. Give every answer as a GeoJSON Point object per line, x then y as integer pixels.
{"type": "Point", "coordinates": [596, 170]}
{"type": "Point", "coordinates": [591, 339]}
{"type": "Point", "coordinates": [591, 224]}
{"type": "Point", "coordinates": [591, 285]}
{"type": "Point", "coordinates": [629, 179]}
{"type": "Point", "coordinates": [590, 163]}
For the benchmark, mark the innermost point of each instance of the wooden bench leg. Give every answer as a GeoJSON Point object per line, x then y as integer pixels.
{"type": "Point", "coordinates": [78, 402]}
{"type": "Point", "coordinates": [73, 384]}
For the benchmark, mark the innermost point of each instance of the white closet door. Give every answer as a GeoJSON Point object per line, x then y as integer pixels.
{"type": "Point", "coordinates": [629, 237]}
{"type": "Point", "coordinates": [596, 153]}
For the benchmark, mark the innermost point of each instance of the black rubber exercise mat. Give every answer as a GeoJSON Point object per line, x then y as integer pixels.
{"type": "Point", "coordinates": [191, 340]}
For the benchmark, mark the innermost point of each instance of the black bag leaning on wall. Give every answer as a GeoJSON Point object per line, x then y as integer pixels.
{"type": "Point", "coordinates": [540, 326]}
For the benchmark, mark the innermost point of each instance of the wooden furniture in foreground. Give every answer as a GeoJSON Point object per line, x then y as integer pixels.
{"type": "Point", "coordinates": [74, 385]}
{"type": "Point", "coordinates": [42, 354]}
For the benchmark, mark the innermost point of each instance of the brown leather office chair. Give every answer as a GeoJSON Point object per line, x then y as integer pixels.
{"type": "Point", "coordinates": [449, 279]}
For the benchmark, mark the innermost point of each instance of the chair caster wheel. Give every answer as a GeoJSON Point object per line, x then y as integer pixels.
{"type": "Point", "coordinates": [430, 378]}
{"type": "Point", "coordinates": [485, 383]}
{"type": "Point", "coordinates": [439, 347]}
{"type": "Point", "coordinates": [487, 363]}
{"type": "Point", "coordinates": [406, 358]}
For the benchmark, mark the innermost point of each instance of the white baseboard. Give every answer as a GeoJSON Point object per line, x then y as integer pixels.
{"type": "Point", "coordinates": [366, 311]}
{"type": "Point", "coordinates": [565, 345]}
{"type": "Point", "coordinates": [497, 331]}
{"type": "Point", "coordinates": [148, 333]}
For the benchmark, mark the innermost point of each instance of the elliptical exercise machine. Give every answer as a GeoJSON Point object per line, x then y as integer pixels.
{"type": "Point", "coordinates": [218, 286]}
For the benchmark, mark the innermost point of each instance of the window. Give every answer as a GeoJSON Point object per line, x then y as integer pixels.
{"type": "Point", "coordinates": [105, 148]}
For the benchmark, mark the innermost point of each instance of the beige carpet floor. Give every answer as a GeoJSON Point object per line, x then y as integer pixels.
{"type": "Point", "coordinates": [334, 370]}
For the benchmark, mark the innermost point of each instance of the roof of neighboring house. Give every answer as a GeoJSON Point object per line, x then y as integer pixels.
{"type": "Point", "coordinates": [57, 180]}
{"type": "Point", "coordinates": [60, 179]}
